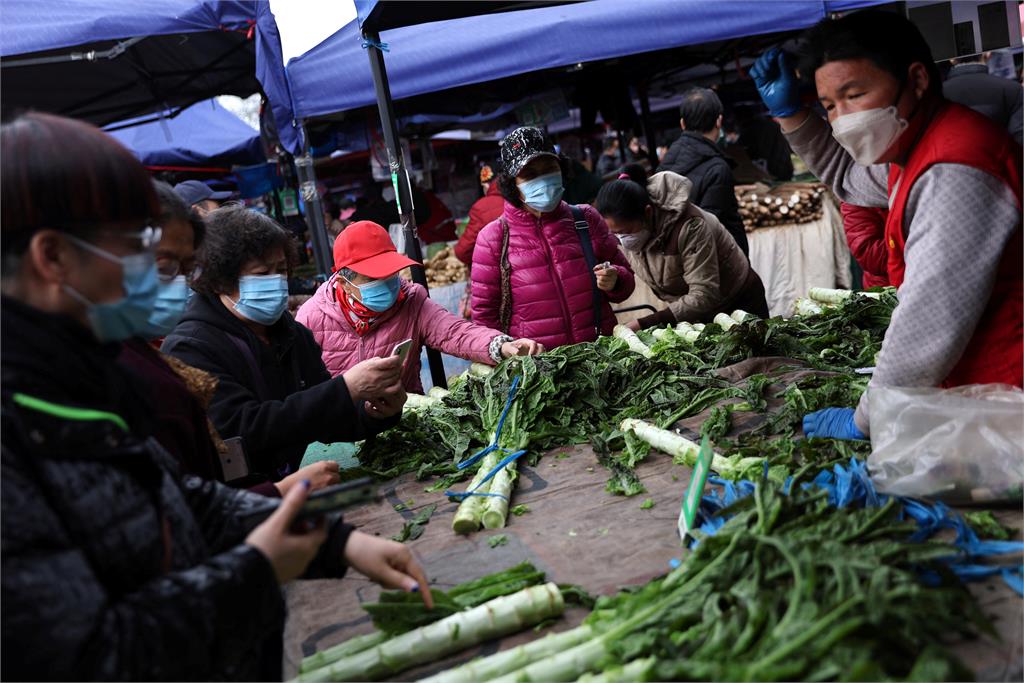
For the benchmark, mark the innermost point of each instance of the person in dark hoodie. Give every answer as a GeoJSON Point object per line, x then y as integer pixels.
{"type": "Point", "coordinates": [180, 393]}
{"type": "Point", "coordinates": [697, 156]}
{"type": "Point", "coordinates": [114, 565]}
{"type": "Point", "coordinates": [273, 390]}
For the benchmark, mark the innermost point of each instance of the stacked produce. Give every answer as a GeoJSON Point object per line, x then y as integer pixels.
{"type": "Point", "coordinates": [409, 634]}
{"type": "Point", "coordinates": [761, 207]}
{"type": "Point", "coordinates": [789, 588]}
{"type": "Point", "coordinates": [443, 268]}
{"type": "Point", "coordinates": [583, 392]}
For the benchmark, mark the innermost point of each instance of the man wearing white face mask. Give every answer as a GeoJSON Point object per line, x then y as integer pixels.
{"type": "Point", "coordinates": [951, 180]}
{"type": "Point", "coordinates": [273, 390]}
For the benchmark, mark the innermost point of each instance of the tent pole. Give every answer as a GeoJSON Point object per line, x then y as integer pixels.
{"type": "Point", "coordinates": [400, 181]}
{"type": "Point", "coordinates": [645, 121]}
{"type": "Point", "coordinates": [314, 210]}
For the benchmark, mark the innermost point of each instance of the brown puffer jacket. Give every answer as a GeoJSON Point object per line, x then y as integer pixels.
{"type": "Point", "coordinates": [691, 262]}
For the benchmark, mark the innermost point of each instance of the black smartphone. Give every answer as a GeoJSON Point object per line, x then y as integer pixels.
{"type": "Point", "coordinates": [338, 497]}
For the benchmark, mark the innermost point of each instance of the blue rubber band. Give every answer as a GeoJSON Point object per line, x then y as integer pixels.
{"type": "Point", "coordinates": [490, 475]}
{"type": "Point", "coordinates": [383, 47]}
{"type": "Point", "coordinates": [497, 432]}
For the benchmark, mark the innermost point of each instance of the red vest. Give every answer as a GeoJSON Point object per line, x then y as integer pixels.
{"type": "Point", "coordinates": [958, 135]}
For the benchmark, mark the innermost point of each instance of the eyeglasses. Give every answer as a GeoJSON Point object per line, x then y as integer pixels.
{"type": "Point", "coordinates": [148, 238]}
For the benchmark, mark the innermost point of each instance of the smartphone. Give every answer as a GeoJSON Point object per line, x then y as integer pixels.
{"type": "Point", "coordinates": [402, 349]}
{"type": "Point", "coordinates": [233, 463]}
{"type": "Point", "coordinates": [338, 497]}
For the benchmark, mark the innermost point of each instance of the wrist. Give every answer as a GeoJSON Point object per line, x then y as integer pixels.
{"type": "Point", "coordinates": [494, 348]}
{"type": "Point", "coordinates": [792, 121]}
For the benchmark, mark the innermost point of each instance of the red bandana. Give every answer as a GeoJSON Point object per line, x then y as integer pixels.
{"type": "Point", "coordinates": [360, 317]}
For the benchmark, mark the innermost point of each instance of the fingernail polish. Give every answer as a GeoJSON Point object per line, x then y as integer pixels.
{"type": "Point", "coordinates": [415, 588]}
{"type": "Point", "coordinates": [307, 483]}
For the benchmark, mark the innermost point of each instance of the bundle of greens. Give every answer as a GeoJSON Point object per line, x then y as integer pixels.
{"type": "Point", "coordinates": [399, 612]}
{"type": "Point", "coordinates": [790, 588]}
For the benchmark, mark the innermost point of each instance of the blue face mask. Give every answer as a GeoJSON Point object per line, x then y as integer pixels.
{"type": "Point", "coordinates": [543, 192]}
{"type": "Point", "coordinates": [380, 295]}
{"type": "Point", "coordinates": [171, 300]}
{"type": "Point", "coordinates": [262, 298]}
{"type": "Point", "coordinates": [128, 316]}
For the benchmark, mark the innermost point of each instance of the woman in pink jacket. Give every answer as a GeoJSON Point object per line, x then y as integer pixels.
{"type": "Point", "coordinates": [365, 310]}
{"type": "Point", "coordinates": [530, 276]}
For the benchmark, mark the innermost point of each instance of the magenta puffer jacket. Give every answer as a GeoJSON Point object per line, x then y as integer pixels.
{"type": "Point", "coordinates": [417, 318]}
{"type": "Point", "coordinates": [552, 294]}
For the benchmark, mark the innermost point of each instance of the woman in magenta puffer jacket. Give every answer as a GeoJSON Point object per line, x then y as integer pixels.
{"type": "Point", "coordinates": [530, 276]}
{"type": "Point", "coordinates": [365, 310]}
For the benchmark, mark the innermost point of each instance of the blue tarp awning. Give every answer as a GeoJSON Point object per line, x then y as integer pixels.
{"type": "Point", "coordinates": [205, 134]}
{"type": "Point", "coordinates": [189, 50]}
{"type": "Point", "coordinates": [431, 57]}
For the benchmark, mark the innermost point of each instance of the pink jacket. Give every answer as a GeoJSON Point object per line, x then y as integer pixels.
{"type": "Point", "coordinates": [552, 294]}
{"type": "Point", "coordinates": [418, 318]}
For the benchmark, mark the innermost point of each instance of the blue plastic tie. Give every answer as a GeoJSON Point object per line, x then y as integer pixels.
{"type": "Point", "coordinates": [383, 47]}
{"type": "Point", "coordinates": [497, 468]}
{"type": "Point", "coordinates": [497, 432]}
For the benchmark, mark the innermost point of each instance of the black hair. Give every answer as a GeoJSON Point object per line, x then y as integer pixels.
{"type": "Point", "coordinates": [234, 236]}
{"type": "Point", "coordinates": [891, 41]}
{"type": "Point", "coordinates": [510, 191]}
{"type": "Point", "coordinates": [625, 199]}
{"type": "Point", "coordinates": [174, 208]}
{"type": "Point", "coordinates": [609, 143]}
{"type": "Point", "coordinates": [700, 109]}
{"type": "Point", "coordinates": [67, 175]}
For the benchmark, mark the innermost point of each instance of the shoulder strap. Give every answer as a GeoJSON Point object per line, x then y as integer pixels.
{"type": "Point", "coordinates": [583, 232]}
{"type": "Point", "coordinates": [262, 390]}
{"type": "Point", "coordinates": [505, 273]}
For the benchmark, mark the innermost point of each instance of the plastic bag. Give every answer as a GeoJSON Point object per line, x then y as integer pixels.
{"type": "Point", "coordinates": [961, 445]}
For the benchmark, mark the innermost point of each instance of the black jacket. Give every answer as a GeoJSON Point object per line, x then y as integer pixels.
{"type": "Point", "coordinates": [998, 98]}
{"type": "Point", "coordinates": [278, 398]}
{"type": "Point", "coordinates": [113, 565]}
{"type": "Point", "coordinates": [714, 188]}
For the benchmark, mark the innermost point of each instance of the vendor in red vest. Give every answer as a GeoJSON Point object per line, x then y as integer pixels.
{"type": "Point", "coordinates": [952, 181]}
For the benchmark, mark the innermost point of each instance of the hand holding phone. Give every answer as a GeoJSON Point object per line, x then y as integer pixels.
{"type": "Point", "coordinates": [402, 349]}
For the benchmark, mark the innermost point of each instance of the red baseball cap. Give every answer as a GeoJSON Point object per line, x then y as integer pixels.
{"type": "Point", "coordinates": [366, 248]}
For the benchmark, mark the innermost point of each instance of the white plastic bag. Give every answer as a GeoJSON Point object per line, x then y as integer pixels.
{"type": "Point", "coordinates": [962, 445]}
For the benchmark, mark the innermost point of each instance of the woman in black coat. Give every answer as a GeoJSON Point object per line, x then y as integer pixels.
{"type": "Point", "coordinates": [273, 389]}
{"type": "Point", "coordinates": [114, 566]}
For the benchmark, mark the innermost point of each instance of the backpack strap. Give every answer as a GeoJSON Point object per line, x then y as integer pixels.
{"type": "Point", "coordinates": [583, 232]}
{"type": "Point", "coordinates": [505, 273]}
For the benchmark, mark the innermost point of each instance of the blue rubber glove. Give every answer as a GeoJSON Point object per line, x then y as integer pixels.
{"type": "Point", "coordinates": [834, 423]}
{"type": "Point", "coordinates": [777, 83]}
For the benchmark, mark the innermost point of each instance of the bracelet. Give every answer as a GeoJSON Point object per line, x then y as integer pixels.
{"type": "Point", "coordinates": [494, 349]}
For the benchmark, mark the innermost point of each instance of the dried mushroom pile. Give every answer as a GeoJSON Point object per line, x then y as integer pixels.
{"type": "Point", "coordinates": [761, 207]}
{"type": "Point", "coordinates": [443, 268]}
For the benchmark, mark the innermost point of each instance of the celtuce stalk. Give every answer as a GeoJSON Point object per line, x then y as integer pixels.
{"type": "Point", "coordinates": [663, 440]}
{"type": "Point", "coordinates": [508, 661]}
{"type": "Point", "coordinates": [633, 341]}
{"type": "Point", "coordinates": [467, 517]}
{"type": "Point", "coordinates": [826, 295]}
{"type": "Point", "coordinates": [495, 509]}
{"type": "Point", "coordinates": [739, 315]}
{"type": "Point", "coordinates": [342, 650]}
{"type": "Point", "coordinates": [807, 307]}
{"type": "Point", "coordinates": [566, 665]}
{"type": "Point", "coordinates": [480, 370]}
{"type": "Point", "coordinates": [416, 402]}
{"type": "Point", "coordinates": [494, 619]}
{"type": "Point", "coordinates": [663, 333]}
{"type": "Point", "coordinates": [633, 671]}
{"type": "Point", "coordinates": [437, 392]}
{"type": "Point", "coordinates": [724, 321]}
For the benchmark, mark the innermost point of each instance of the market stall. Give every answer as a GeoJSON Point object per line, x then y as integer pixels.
{"type": "Point", "coordinates": [791, 256]}
{"type": "Point", "coordinates": [837, 572]}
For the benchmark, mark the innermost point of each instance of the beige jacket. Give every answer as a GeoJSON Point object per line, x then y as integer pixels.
{"type": "Point", "coordinates": [690, 262]}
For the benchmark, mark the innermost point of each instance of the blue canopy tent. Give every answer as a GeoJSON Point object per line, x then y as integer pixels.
{"type": "Point", "coordinates": [205, 134]}
{"type": "Point", "coordinates": [98, 61]}
{"type": "Point", "coordinates": [442, 55]}
{"type": "Point", "coordinates": [104, 62]}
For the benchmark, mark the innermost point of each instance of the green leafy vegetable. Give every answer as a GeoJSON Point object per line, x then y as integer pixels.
{"type": "Point", "coordinates": [520, 510]}
{"type": "Point", "coordinates": [413, 529]}
{"type": "Point", "coordinates": [495, 541]}
{"type": "Point", "coordinates": [647, 504]}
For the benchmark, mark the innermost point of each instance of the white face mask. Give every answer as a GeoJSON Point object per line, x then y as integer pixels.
{"type": "Point", "coordinates": [635, 241]}
{"type": "Point", "coordinates": [867, 134]}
